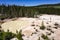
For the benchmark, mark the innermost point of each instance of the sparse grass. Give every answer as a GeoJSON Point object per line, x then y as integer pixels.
{"type": "Point", "coordinates": [39, 38]}
{"type": "Point", "coordinates": [42, 27]}
{"type": "Point", "coordinates": [19, 36]}
{"type": "Point", "coordinates": [45, 37]}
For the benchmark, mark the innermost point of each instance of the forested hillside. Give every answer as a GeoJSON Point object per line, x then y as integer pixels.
{"type": "Point", "coordinates": [11, 11]}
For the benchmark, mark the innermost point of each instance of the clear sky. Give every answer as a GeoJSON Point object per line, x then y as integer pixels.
{"type": "Point", "coordinates": [28, 2]}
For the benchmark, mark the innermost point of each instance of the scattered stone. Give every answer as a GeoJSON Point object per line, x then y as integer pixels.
{"type": "Point", "coordinates": [56, 24]}
{"type": "Point", "coordinates": [55, 27]}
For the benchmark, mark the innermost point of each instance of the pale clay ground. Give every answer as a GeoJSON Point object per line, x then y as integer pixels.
{"type": "Point", "coordinates": [29, 31]}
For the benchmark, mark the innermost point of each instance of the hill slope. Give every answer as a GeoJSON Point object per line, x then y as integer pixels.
{"type": "Point", "coordinates": [48, 5]}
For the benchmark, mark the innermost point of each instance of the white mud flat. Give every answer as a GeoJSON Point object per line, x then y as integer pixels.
{"type": "Point", "coordinates": [45, 27]}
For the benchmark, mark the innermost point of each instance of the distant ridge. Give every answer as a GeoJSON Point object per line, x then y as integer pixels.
{"type": "Point", "coordinates": [48, 5]}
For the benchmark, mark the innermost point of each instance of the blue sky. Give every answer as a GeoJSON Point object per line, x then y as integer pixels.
{"type": "Point", "coordinates": [29, 2]}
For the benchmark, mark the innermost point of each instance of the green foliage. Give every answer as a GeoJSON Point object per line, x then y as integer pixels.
{"type": "Point", "coordinates": [6, 35]}
{"type": "Point", "coordinates": [1, 35]}
{"type": "Point", "coordinates": [19, 36]}
{"type": "Point", "coordinates": [42, 27]}
{"type": "Point", "coordinates": [45, 37]}
{"type": "Point", "coordinates": [9, 35]}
